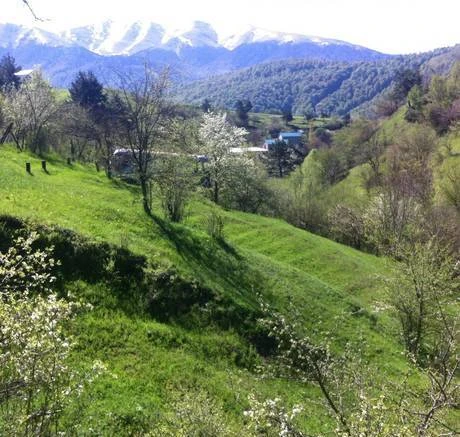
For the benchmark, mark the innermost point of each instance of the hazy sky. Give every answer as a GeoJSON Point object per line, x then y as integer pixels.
{"type": "Point", "coordinates": [391, 26]}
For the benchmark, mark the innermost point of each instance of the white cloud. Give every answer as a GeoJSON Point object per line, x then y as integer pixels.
{"type": "Point", "coordinates": [393, 26]}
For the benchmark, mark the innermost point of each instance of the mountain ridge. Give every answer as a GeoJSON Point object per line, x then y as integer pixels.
{"type": "Point", "coordinates": [114, 38]}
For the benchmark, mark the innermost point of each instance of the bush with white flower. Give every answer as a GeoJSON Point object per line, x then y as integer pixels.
{"type": "Point", "coordinates": [36, 382]}
{"type": "Point", "coordinates": [271, 418]}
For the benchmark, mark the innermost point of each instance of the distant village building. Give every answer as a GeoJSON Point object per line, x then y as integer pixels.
{"type": "Point", "coordinates": [24, 74]}
{"type": "Point", "coordinates": [239, 150]}
{"type": "Point", "coordinates": [292, 139]}
{"type": "Point", "coordinates": [122, 161]}
{"type": "Point", "coordinates": [269, 142]}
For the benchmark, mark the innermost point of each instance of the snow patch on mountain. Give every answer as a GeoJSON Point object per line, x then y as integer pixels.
{"type": "Point", "coordinates": [257, 35]}
{"type": "Point", "coordinates": [116, 38]}
{"type": "Point", "coordinates": [13, 35]}
{"type": "Point", "coordinates": [198, 34]}
{"type": "Point", "coordinates": [113, 38]}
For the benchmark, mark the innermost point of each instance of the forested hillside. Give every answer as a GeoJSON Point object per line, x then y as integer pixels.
{"type": "Point", "coordinates": [319, 86]}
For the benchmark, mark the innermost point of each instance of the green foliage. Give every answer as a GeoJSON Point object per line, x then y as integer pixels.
{"type": "Point", "coordinates": [440, 104]}
{"type": "Point", "coordinates": [87, 91]}
{"type": "Point", "coordinates": [415, 103]}
{"type": "Point", "coordinates": [281, 159]}
{"type": "Point", "coordinates": [299, 86]}
{"type": "Point", "coordinates": [425, 281]}
{"type": "Point", "coordinates": [246, 186]}
{"type": "Point", "coordinates": [405, 80]}
{"type": "Point", "coordinates": [451, 187]}
{"type": "Point", "coordinates": [175, 180]}
{"type": "Point", "coordinates": [302, 198]}
{"type": "Point", "coordinates": [242, 108]}
{"type": "Point", "coordinates": [8, 68]}
{"type": "Point", "coordinates": [215, 225]}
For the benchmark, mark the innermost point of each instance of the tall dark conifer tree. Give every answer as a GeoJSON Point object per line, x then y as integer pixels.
{"type": "Point", "coordinates": [8, 68]}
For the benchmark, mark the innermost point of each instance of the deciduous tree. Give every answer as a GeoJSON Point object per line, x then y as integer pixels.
{"type": "Point", "coordinates": [146, 123]}
{"type": "Point", "coordinates": [282, 158]}
{"type": "Point", "coordinates": [242, 108]}
{"type": "Point", "coordinates": [218, 137]}
{"type": "Point", "coordinates": [31, 109]}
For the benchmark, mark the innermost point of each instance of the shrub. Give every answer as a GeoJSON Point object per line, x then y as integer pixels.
{"type": "Point", "coordinates": [195, 414]}
{"type": "Point", "coordinates": [173, 297]}
{"type": "Point", "coordinates": [347, 226]}
{"type": "Point", "coordinates": [79, 257]}
{"type": "Point", "coordinates": [215, 225]}
{"type": "Point", "coordinates": [36, 382]}
{"type": "Point", "coordinates": [175, 180]}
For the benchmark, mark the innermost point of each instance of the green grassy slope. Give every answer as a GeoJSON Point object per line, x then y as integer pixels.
{"type": "Point", "coordinates": [334, 288]}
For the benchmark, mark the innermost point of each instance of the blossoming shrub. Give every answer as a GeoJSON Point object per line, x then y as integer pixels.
{"type": "Point", "coordinates": [270, 418]}
{"type": "Point", "coordinates": [36, 382]}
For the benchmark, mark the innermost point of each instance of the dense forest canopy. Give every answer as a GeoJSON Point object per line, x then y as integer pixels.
{"type": "Point", "coordinates": [333, 88]}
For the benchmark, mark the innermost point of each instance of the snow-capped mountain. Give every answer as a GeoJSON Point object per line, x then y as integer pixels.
{"type": "Point", "coordinates": [13, 36]}
{"type": "Point", "coordinates": [199, 34]}
{"type": "Point", "coordinates": [192, 52]}
{"type": "Point", "coordinates": [113, 38]}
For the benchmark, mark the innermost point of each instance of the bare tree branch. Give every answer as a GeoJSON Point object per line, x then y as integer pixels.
{"type": "Point", "coordinates": [36, 17]}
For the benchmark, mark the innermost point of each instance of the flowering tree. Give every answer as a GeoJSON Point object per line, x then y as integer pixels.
{"type": "Point", "coordinates": [349, 389]}
{"type": "Point", "coordinates": [36, 382]}
{"type": "Point", "coordinates": [30, 109]}
{"type": "Point", "coordinates": [218, 136]}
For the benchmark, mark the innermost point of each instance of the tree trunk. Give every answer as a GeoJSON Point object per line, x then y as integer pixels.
{"type": "Point", "coordinates": [145, 195]}
{"type": "Point", "coordinates": [216, 192]}
{"type": "Point", "coordinates": [108, 169]}
{"type": "Point", "coordinates": [280, 168]}
{"type": "Point", "coordinates": [420, 327]}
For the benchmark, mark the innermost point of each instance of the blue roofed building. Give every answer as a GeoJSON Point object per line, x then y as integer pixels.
{"type": "Point", "coordinates": [291, 138]}
{"type": "Point", "coordinates": [269, 142]}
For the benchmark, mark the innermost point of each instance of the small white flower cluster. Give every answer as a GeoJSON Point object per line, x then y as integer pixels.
{"type": "Point", "coordinates": [25, 269]}
{"type": "Point", "coordinates": [271, 418]}
{"type": "Point", "coordinates": [371, 419]}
